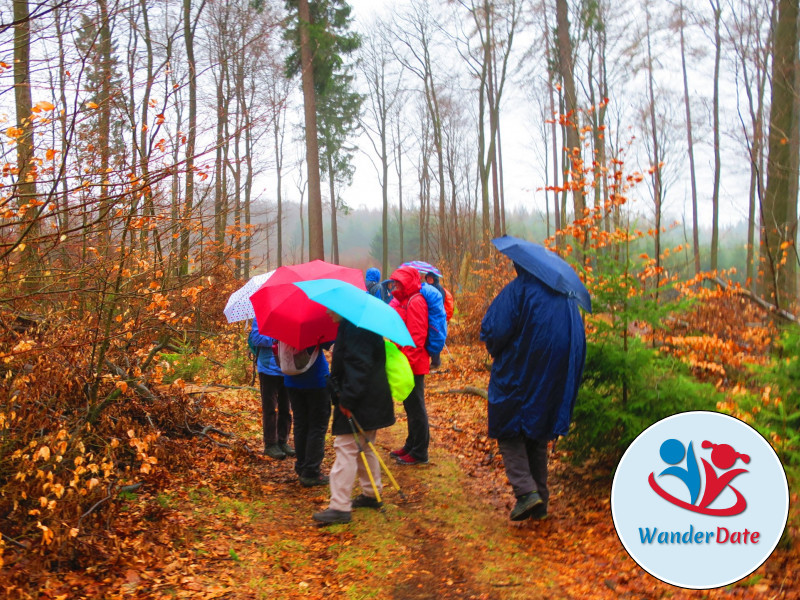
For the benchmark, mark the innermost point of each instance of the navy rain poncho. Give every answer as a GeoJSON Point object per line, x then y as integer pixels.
{"type": "Point", "coordinates": [537, 340]}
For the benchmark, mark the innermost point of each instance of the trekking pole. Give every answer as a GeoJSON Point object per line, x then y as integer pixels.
{"type": "Point", "coordinates": [364, 458]}
{"type": "Point", "coordinates": [380, 460]}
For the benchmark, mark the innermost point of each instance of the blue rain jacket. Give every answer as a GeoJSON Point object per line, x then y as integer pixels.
{"type": "Point", "coordinates": [373, 282]}
{"type": "Point", "coordinates": [265, 357]}
{"type": "Point", "coordinates": [437, 318]}
{"type": "Point", "coordinates": [537, 339]}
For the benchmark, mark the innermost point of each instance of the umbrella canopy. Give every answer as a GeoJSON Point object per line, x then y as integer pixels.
{"type": "Point", "coordinates": [423, 267]}
{"type": "Point", "coordinates": [239, 307]}
{"type": "Point", "coordinates": [546, 266]}
{"type": "Point", "coordinates": [361, 309]}
{"type": "Point", "coordinates": [317, 269]}
{"type": "Point", "coordinates": [284, 312]}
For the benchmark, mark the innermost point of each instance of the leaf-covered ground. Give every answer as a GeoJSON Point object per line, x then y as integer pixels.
{"type": "Point", "coordinates": [233, 524]}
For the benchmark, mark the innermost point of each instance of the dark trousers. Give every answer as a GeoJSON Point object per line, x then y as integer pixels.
{"type": "Point", "coordinates": [525, 461]}
{"type": "Point", "coordinates": [276, 414]}
{"type": "Point", "coordinates": [419, 436]}
{"type": "Point", "coordinates": [312, 412]}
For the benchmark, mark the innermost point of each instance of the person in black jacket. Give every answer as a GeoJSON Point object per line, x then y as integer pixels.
{"type": "Point", "coordinates": [359, 388]}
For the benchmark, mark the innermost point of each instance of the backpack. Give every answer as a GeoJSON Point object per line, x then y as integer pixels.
{"type": "Point", "coordinates": [398, 372]}
{"type": "Point", "coordinates": [449, 304]}
{"type": "Point", "coordinates": [437, 319]}
{"type": "Point", "coordinates": [252, 347]}
{"type": "Point", "coordinates": [254, 353]}
{"type": "Point", "coordinates": [292, 361]}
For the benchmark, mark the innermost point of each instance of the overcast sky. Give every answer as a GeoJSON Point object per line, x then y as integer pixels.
{"type": "Point", "coordinates": [521, 143]}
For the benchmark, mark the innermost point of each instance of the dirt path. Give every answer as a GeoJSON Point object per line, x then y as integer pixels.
{"type": "Point", "coordinates": [237, 526]}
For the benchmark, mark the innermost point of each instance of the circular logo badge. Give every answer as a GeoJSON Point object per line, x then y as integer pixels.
{"type": "Point", "coordinates": [700, 500]}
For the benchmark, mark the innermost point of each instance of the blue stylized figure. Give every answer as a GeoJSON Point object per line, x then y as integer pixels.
{"type": "Point", "coordinates": [672, 452]}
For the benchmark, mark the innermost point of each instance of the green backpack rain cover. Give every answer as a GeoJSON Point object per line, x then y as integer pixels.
{"type": "Point", "coordinates": [398, 372]}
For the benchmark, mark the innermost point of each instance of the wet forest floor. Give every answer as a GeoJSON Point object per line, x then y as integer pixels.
{"type": "Point", "coordinates": [234, 524]}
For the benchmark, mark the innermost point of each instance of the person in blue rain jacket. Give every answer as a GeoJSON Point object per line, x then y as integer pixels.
{"type": "Point", "coordinates": [276, 414]}
{"type": "Point", "coordinates": [537, 340]}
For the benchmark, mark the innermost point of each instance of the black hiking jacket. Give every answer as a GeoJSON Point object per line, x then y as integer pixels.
{"type": "Point", "coordinates": [358, 380]}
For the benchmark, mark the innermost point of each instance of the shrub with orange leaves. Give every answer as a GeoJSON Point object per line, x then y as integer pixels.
{"type": "Point", "coordinates": [84, 412]}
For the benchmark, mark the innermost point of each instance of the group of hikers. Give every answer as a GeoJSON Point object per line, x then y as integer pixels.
{"type": "Point", "coordinates": [536, 339]}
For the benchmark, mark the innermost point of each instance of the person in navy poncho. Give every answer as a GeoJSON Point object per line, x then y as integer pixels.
{"type": "Point", "coordinates": [537, 340]}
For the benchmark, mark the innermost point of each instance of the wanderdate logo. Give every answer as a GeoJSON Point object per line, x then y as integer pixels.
{"type": "Point", "coordinates": [723, 457]}
{"type": "Point", "coordinates": [700, 500]}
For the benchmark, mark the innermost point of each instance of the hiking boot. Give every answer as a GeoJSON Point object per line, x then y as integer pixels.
{"type": "Point", "coordinates": [398, 453]}
{"type": "Point", "coordinates": [407, 459]}
{"type": "Point", "coordinates": [288, 450]}
{"type": "Point", "coordinates": [525, 506]}
{"type": "Point", "coordinates": [539, 512]}
{"type": "Point", "coordinates": [275, 451]}
{"type": "Point", "coordinates": [312, 481]}
{"type": "Point", "coordinates": [331, 516]}
{"type": "Point", "coordinates": [362, 501]}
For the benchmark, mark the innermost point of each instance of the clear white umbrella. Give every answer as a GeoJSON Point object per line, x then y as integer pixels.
{"type": "Point", "coordinates": [239, 306]}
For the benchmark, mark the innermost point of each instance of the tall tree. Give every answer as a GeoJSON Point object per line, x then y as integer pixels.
{"type": "Point", "coordinates": [320, 32]}
{"type": "Point", "coordinates": [25, 190]}
{"type": "Point", "coordinates": [384, 93]}
{"type": "Point", "coordinates": [415, 31]}
{"type": "Point", "coordinates": [716, 7]}
{"type": "Point", "coordinates": [339, 107]}
{"type": "Point", "coordinates": [751, 33]}
{"type": "Point", "coordinates": [779, 210]}
{"type": "Point", "coordinates": [572, 165]}
{"type": "Point", "coordinates": [681, 24]}
{"type": "Point", "coordinates": [189, 27]}
{"type": "Point", "coordinates": [494, 27]}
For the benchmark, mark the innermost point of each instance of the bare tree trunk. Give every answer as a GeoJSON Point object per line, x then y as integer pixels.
{"type": "Point", "coordinates": [248, 186]}
{"type": "Point", "coordinates": [690, 148]}
{"type": "Point", "coordinates": [220, 189]}
{"type": "Point", "coordinates": [25, 189]}
{"type": "Point", "coordinates": [492, 158]}
{"type": "Point", "coordinates": [656, 157]}
{"type": "Point", "coordinates": [717, 8]}
{"type": "Point", "coordinates": [399, 167]}
{"type": "Point", "coordinates": [278, 139]}
{"type": "Point", "coordinates": [316, 242]}
{"type": "Point", "coordinates": [779, 217]}
{"type": "Point", "coordinates": [567, 68]}
{"type": "Point", "coordinates": [104, 117]}
{"type": "Point", "coordinates": [191, 134]}
{"type": "Point", "coordinates": [334, 227]}
{"type": "Point", "coordinates": [551, 74]}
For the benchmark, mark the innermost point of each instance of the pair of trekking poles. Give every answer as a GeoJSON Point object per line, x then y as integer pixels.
{"type": "Point", "coordinates": [353, 425]}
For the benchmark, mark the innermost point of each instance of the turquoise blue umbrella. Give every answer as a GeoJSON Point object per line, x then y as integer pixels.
{"type": "Point", "coordinates": [359, 307]}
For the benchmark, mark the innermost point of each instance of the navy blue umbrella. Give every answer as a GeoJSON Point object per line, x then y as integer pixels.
{"type": "Point", "coordinates": [548, 267]}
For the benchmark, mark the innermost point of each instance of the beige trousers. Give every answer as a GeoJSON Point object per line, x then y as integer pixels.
{"type": "Point", "coordinates": [347, 465]}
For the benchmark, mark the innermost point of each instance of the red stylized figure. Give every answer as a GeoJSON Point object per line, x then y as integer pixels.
{"type": "Point", "coordinates": [724, 457]}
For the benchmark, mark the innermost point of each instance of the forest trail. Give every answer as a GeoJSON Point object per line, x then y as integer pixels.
{"type": "Point", "coordinates": [236, 525]}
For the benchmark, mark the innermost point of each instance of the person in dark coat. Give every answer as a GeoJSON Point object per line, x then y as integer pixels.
{"type": "Point", "coordinates": [359, 388]}
{"type": "Point", "coordinates": [537, 339]}
{"type": "Point", "coordinates": [311, 407]}
{"type": "Point", "coordinates": [275, 410]}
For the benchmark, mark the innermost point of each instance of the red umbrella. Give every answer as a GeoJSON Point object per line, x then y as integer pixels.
{"type": "Point", "coordinates": [285, 312]}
